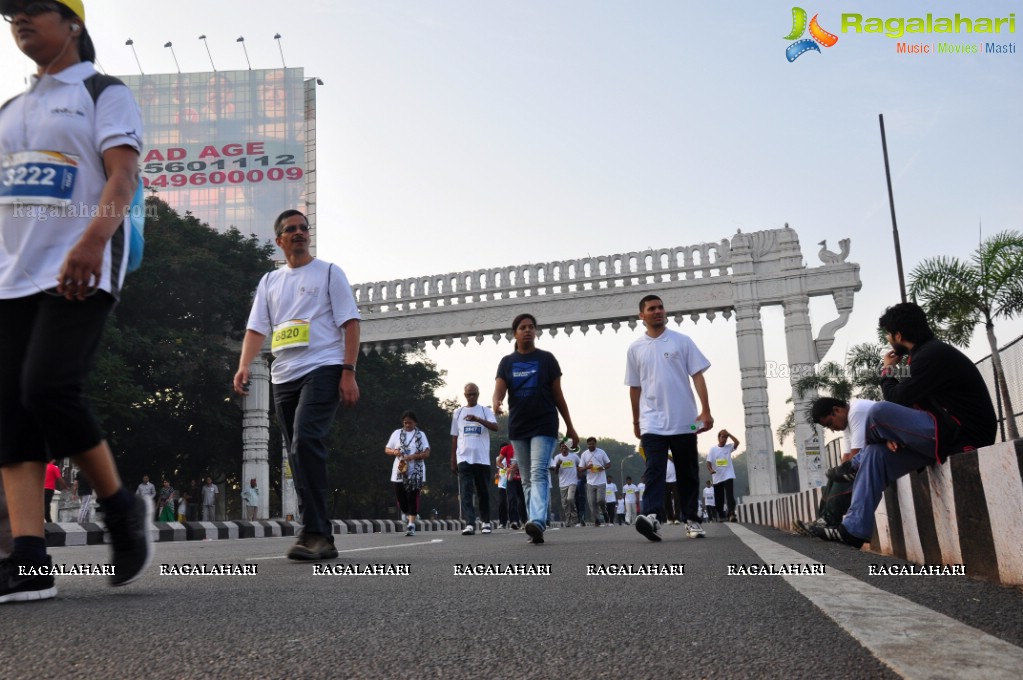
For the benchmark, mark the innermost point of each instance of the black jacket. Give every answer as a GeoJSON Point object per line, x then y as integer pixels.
{"type": "Point", "coordinates": [945, 383]}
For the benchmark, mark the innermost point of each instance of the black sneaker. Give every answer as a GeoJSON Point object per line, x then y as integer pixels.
{"type": "Point", "coordinates": [535, 532]}
{"type": "Point", "coordinates": [131, 544]}
{"type": "Point", "coordinates": [834, 532]}
{"type": "Point", "coordinates": [18, 584]}
{"type": "Point", "coordinates": [313, 547]}
{"type": "Point", "coordinates": [649, 526]}
{"type": "Point", "coordinates": [842, 473]}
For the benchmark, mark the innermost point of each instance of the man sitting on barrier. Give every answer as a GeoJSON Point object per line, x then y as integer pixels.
{"type": "Point", "coordinates": [939, 406]}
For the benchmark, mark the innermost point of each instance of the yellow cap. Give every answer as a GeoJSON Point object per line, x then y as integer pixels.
{"type": "Point", "coordinates": [75, 6]}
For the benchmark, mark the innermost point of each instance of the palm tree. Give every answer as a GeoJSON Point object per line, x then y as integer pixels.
{"type": "Point", "coordinates": [861, 378]}
{"type": "Point", "coordinates": [957, 295]}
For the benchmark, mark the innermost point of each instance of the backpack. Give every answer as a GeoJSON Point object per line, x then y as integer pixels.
{"type": "Point", "coordinates": [835, 501]}
{"type": "Point", "coordinates": [136, 220]}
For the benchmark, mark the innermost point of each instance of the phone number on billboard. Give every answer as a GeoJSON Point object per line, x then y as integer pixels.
{"type": "Point", "coordinates": [194, 174]}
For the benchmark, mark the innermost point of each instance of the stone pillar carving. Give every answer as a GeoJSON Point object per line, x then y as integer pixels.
{"type": "Point", "coordinates": [256, 433]}
{"type": "Point", "coordinates": [759, 443]}
{"type": "Point", "coordinates": [802, 359]}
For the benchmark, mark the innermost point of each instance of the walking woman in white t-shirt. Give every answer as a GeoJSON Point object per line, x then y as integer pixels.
{"type": "Point", "coordinates": [410, 449]}
{"type": "Point", "coordinates": [69, 147]}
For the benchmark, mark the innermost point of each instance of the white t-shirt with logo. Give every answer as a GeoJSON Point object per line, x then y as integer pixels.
{"type": "Point", "coordinates": [58, 115]}
{"type": "Point", "coordinates": [662, 367]}
{"type": "Point", "coordinates": [568, 469]}
{"type": "Point", "coordinates": [301, 294]}
{"type": "Point", "coordinates": [473, 445]}
{"type": "Point", "coordinates": [611, 493]}
{"type": "Point", "coordinates": [721, 458]}
{"type": "Point", "coordinates": [595, 457]}
{"type": "Point", "coordinates": [708, 496]}
{"type": "Point", "coordinates": [631, 491]}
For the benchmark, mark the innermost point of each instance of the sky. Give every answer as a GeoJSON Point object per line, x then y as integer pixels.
{"type": "Point", "coordinates": [457, 135]}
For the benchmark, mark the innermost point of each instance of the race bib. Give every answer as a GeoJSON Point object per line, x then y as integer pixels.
{"type": "Point", "coordinates": [721, 462]}
{"type": "Point", "coordinates": [37, 178]}
{"type": "Point", "coordinates": [290, 335]}
{"type": "Point", "coordinates": [567, 464]}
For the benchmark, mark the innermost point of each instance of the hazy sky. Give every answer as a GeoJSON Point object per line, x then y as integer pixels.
{"type": "Point", "coordinates": [462, 135]}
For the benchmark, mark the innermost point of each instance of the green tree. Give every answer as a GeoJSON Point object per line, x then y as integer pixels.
{"type": "Point", "coordinates": [161, 384]}
{"type": "Point", "coordinates": [959, 294]}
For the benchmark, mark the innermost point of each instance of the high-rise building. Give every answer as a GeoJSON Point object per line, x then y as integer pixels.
{"type": "Point", "coordinates": [232, 148]}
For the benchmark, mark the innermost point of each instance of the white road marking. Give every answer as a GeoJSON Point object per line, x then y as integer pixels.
{"type": "Point", "coordinates": [350, 550]}
{"type": "Point", "coordinates": [914, 641]}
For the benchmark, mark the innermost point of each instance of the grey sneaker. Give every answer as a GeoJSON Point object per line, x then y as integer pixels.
{"type": "Point", "coordinates": [486, 528]}
{"type": "Point", "coordinates": [131, 544]}
{"type": "Point", "coordinates": [311, 547]}
{"type": "Point", "coordinates": [649, 527]}
{"type": "Point", "coordinates": [411, 529]}
{"type": "Point", "coordinates": [694, 530]}
{"type": "Point", "coordinates": [469, 530]}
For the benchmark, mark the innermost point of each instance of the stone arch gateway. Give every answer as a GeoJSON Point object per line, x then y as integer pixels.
{"type": "Point", "coordinates": [736, 276]}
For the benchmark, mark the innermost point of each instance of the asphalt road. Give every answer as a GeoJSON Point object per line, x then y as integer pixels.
{"type": "Point", "coordinates": [287, 622]}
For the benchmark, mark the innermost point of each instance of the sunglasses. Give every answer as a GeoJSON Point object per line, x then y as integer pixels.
{"type": "Point", "coordinates": [32, 9]}
{"type": "Point", "coordinates": [292, 228]}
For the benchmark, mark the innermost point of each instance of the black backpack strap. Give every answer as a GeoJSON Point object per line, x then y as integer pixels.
{"type": "Point", "coordinates": [97, 82]}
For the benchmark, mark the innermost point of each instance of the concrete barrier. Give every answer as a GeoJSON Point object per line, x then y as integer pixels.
{"type": "Point", "coordinates": [967, 511]}
{"type": "Point", "coordinates": [93, 533]}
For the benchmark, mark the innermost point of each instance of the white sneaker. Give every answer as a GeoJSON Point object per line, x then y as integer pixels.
{"type": "Point", "coordinates": [469, 530]}
{"type": "Point", "coordinates": [486, 528]}
{"type": "Point", "coordinates": [694, 530]}
{"type": "Point", "coordinates": [649, 526]}
{"type": "Point", "coordinates": [411, 529]}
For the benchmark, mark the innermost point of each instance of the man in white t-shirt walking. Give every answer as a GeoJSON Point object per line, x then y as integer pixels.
{"type": "Point", "coordinates": [708, 502]}
{"type": "Point", "coordinates": [658, 370]}
{"type": "Point", "coordinates": [595, 461]}
{"type": "Point", "coordinates": [719, 463]}
{"type": "Point", "coordinates": [309, 311]}
{"type": "Point", "coordinates": [471, 426]}
{"type": "Point", "coordinates": [566, 464]}
{"type": "Point", "coordinates": [631, 492]}
{"type": "Point", "coordinates": [611, 499]}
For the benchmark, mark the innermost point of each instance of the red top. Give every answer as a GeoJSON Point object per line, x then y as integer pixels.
{"type": "Point", "coordinates": [508, 451]}
{"type": "Point", "coordinates": [52, 475]}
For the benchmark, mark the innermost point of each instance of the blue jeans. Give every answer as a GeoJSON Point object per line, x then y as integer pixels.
{"type": "Point", "coordinates": [473, 481]}
{"type": "Point", "coordinates": [687, 468]}
{"type": "Point", "coordinates": [533, 456]}
{"type": "Point", "coordinates": [305, 411]}
{"type": "Point", "coordinates": [878, 467]}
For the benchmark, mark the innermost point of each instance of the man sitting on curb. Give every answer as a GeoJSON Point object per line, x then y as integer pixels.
{"type": "Point", "coordinates": [849, 418]}
{"type": "Point", "coordinates": [940, 407]}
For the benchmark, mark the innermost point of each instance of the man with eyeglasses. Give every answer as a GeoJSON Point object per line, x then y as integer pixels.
{"type": "Point", "coordinates": [309, 310]}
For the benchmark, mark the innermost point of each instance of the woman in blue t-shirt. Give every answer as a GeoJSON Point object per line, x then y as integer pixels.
{"type": "Point", "coordinates": [531, 378]}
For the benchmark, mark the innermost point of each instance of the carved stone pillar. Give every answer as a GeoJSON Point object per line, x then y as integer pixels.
{"type": "Point", "coordinates": [759, 443]}
{"type": "Point", "coordinates": [802, 356]}
{"type": "Point", "coordinates": [256, 433]}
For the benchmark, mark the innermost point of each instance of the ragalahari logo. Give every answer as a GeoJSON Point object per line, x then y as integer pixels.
{"type": "Point", "coordinates": [818, 35]}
